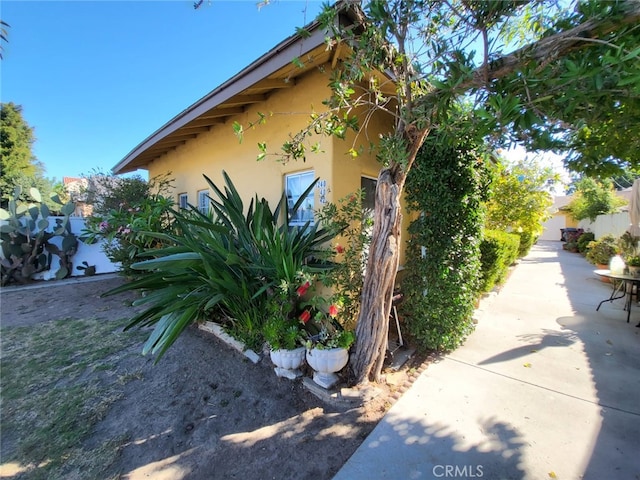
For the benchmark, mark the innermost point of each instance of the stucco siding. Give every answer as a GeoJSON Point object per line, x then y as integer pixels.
{"type": "Point", "coordinates": [287, 112]}
{"type": "Point", "coordinates": [219, 149]}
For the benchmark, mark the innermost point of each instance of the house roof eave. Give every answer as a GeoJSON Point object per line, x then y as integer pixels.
{"type": "Point", "coordinates": [267, 65]}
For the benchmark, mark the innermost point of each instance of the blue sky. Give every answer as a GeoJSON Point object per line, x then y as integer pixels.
{"type": "Point", "coordinates": [96, 78]}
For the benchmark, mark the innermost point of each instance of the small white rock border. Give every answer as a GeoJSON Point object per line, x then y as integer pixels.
{"type": "Point", "coordinates": [217, 330]}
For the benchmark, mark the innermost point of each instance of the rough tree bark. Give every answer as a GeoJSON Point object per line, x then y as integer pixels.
{"type": "Point", "coordinates": [382, 265]}
{"type": "Point", "coordinates": [377, 290]}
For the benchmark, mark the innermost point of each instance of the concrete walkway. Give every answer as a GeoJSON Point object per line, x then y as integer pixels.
{"type": "Point", "coordinates": [546, 387]}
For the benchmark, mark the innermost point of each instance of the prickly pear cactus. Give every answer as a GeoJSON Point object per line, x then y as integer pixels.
{"type": "Point", "coordinates": [26, 231]}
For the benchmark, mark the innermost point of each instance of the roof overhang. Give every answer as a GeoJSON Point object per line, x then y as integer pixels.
{"type": "Point", "coordinates": [274, 70]}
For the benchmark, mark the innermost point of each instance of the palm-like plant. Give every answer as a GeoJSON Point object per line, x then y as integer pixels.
{"type": "Point", "coordinates": [224, 263]}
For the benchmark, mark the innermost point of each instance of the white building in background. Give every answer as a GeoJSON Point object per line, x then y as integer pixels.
{"type": "Point", "coordinates": [76, 188]}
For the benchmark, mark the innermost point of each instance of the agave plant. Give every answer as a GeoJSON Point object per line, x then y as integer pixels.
{"type": "Point", "coordinates": [223, 263]}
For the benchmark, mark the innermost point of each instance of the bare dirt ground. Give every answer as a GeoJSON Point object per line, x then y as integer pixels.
{"type": "Point", "coordinates": [205, 411]}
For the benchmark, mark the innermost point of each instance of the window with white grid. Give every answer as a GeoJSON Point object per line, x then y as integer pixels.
{"type": "Point", "coordinates": [203, 201]}
{"type": "Point", "coordinates": [183, 200]}
{"type": "Point", "coordinates": [295, 185]}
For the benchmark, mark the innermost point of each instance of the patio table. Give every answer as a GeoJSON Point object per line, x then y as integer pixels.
{"type": "Point", "coordinates": [623, 288]}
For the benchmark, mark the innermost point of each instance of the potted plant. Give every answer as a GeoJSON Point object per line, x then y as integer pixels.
{"type": "Point", "coordinates": [327, 342]}
{"type": "Point", "coordinates": [285, 352]}
{"type": "Point", "coordinates": [600, 251]}
{"type": "Point", "coordinates": [629, 245]}
{"type": "Point", "coordinates": [283, 332]}
{"type": "Point", "coordinates": [633, 264]}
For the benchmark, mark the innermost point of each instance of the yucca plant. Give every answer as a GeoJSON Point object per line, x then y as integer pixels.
{"type": "Point", "coordinates": [224, 263]}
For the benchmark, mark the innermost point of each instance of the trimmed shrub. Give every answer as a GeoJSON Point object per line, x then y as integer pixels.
{"type": "Point", "coordinates": [584, 240]}
{"type": "Point", "coordinates": [498, 250]}
{"type": "Point", "coordinates": [447, 185]}
{"type": "Point", "coordinates": [600, 251]}
{"type": "Point", "coordinates": [527, 239]}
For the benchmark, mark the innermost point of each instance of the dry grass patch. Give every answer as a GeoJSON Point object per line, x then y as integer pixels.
{"type": "Point", "coordinates": [58, 379]}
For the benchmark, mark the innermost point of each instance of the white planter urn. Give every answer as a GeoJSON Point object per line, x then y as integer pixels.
{"type": "Point", "coordinates": [288, 362]}
{"type": "Point", "coordinates": [326, 363]}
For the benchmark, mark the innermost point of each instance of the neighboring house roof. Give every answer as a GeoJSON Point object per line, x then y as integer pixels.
{"type": "Point", "coordinates": [74, 185]}
{"type": "Point", "coordinates": [274, 70]}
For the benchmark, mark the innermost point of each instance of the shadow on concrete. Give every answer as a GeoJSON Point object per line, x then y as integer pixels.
{"type": "Point", "coordinates": [534, 343]}
{"type": "Point", "coordinates": [421, 449]}
{"type": "Point", "coordinates": [612, 348]}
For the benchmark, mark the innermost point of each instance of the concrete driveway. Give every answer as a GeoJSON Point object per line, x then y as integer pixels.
{"type": "Point", "coordinates": [546, 387]}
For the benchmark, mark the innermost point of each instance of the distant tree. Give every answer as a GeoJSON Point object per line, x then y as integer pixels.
{"type": "Point", "coordinates": [520, 200]}
{"type": "Point", "coordinates": [107, 192]}
{"type": "Point", "coordinates": [18, 164]}
{"type": "Point", "coordinates": [124, 210]}
{"type": "Point", "coordinates": [593, 198]}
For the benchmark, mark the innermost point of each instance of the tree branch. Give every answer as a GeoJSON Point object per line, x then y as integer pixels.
{"type": "Point", "coordinates": [553, 47]}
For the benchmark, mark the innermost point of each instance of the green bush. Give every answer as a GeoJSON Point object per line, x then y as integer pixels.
{"type": "Point", "coordinates": [600, 251]}
{"type": "Point", "coordinates": [447, 185]}
{"type": "Point", "coordinates": [584, 240]}
{"type": "Point", "coordinates": [125, 210]}
{"type": "Point", "coordinates": [347, 277]}
{"type": "Point", "coordinates": [520, 201]}
{"type": "Point", "coordinates": [498, 250]}
{"type": "Point", "coordinates": [527, 239]}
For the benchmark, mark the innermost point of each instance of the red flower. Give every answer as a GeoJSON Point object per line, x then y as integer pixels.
{"type": "Point", "coordinates": [339, 249]}
{"type": "Point", "coordinates": [303, 289]}
{"type": "Point", "coordinates": [305, 316]}
{"type": "Point", "coordinates": [333, 311]}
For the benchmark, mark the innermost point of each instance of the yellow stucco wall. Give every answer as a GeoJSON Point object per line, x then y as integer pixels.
{"type": "Point", "coordinates": [569, 220]}
{"type": "Point", "coordinates": [348, 171]}
{"type": "Point", "coordinates": [219, 149]}
{"type": "Point", "coordinates": [287, 112]}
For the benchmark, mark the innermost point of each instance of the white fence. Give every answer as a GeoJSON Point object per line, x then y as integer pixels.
{"type": "Point", "coordinates": [615, 224]}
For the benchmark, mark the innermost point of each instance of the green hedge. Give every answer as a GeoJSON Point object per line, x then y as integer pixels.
{"type": "Point", "coordinates": [498, 250]}
{"type": "Point", "coordinates": [526, 241]}
{"type": "Point", "coordinates": [447, 186]}
{"type": "Point", "coordinates": [584, 240]}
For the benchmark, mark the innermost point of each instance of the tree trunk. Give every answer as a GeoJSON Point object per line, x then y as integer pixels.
{"type": "Point", "coordinates": [377, 290]}
{"type": "Point", "coordinates": [372, 329]}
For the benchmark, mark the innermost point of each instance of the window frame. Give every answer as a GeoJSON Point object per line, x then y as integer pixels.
{"type": "Point", "coordinates": [203, 201]}
{"type": "Point", "coordinates": [291, 199]}
{"type": "Point", "coordinates": [185, 197]}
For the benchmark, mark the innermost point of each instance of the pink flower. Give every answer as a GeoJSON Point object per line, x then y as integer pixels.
{"type": "Point", "coordinates": [104, 225]}
{"type": "Point", "coordinates": [305, 316]}
{"type": "Point", "coordinates": [333, 311]}
{"type": "Point", "coordinates": [303, 289]}
{"type": "Point", "coordinates": [339, 249]}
